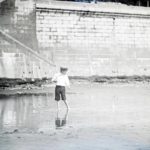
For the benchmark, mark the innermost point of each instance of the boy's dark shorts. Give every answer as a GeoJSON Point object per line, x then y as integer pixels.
{"type": "Point", "coordinates": [60, 93]}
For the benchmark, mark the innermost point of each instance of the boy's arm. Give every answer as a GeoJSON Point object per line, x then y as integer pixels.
{"type": "Point", "coordinates": [54, 79]}
{"type": "Point", "coordinates": [67, 82]}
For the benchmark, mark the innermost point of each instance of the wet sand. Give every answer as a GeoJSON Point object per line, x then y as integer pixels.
{"type": "Point", "coordinates": [101, 117]}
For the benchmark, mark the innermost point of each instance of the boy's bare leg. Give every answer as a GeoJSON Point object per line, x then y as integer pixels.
{"type": "Point", "coordinates": [57, 105]}
{"type": "Point", "coordinates": [66, 104]}
{"type": "Point", "coordinates": [66, 114]}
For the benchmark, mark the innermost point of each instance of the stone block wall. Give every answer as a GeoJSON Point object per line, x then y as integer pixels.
{"type": "Point", "coordinates": [18, 20]}
{"type": "Point", "coordinates": [95, 42]}
{"type": "Point", "coordinates": [15, 63]}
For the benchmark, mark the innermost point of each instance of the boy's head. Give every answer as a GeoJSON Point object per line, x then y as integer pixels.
{"type": "Point", "coordinates": [63, 70]}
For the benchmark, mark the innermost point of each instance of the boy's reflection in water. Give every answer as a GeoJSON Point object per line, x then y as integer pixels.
{"type": "Point", "coordinates": [61, 121]}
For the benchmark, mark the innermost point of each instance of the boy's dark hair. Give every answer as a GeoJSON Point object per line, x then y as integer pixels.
{"type": "Point", "coordinates": [63, 69]}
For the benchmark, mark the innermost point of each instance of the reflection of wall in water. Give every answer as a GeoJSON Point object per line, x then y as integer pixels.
{"type": "Point", "coordinates": [26, 112]}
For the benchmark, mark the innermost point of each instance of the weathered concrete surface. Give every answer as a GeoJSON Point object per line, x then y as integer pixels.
{"type": "Point", "coordinates": [91, 39]}
{"type": "Point", "coordinates": [18, 21]}
{"type": "Point", "coordinates": [112, 117]}
{"type": "Point", "coordinates": [96, 40]}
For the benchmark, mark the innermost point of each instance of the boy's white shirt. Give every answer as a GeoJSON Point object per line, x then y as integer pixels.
{"type": "Point", "coordinates": [61, 80]}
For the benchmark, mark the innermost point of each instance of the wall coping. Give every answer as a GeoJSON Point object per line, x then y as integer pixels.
{"type": "Point", "coordinates": [109, 8]}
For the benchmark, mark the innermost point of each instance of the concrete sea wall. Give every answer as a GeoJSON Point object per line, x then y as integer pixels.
{"type": "Point", "coordinates": [18, 21]}
{"type": "Point", "coordinates": [17, 18]}
{"type": "Point", "coordinates": [93, 40]}
{"type": "Point", "coordinates": [90, 39]}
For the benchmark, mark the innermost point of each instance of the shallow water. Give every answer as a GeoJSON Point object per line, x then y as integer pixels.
{"type": "Point", "coordinates": [101, 117]}
{"type": "Point", "coordinates": [91, 106]}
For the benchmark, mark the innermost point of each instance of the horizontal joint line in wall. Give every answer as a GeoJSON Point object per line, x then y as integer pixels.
{"type": "Point", "coordinates": [91, 13]}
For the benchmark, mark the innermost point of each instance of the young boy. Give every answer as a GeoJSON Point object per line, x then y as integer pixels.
{"type": "Point", "coordinates": [61, 79]}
